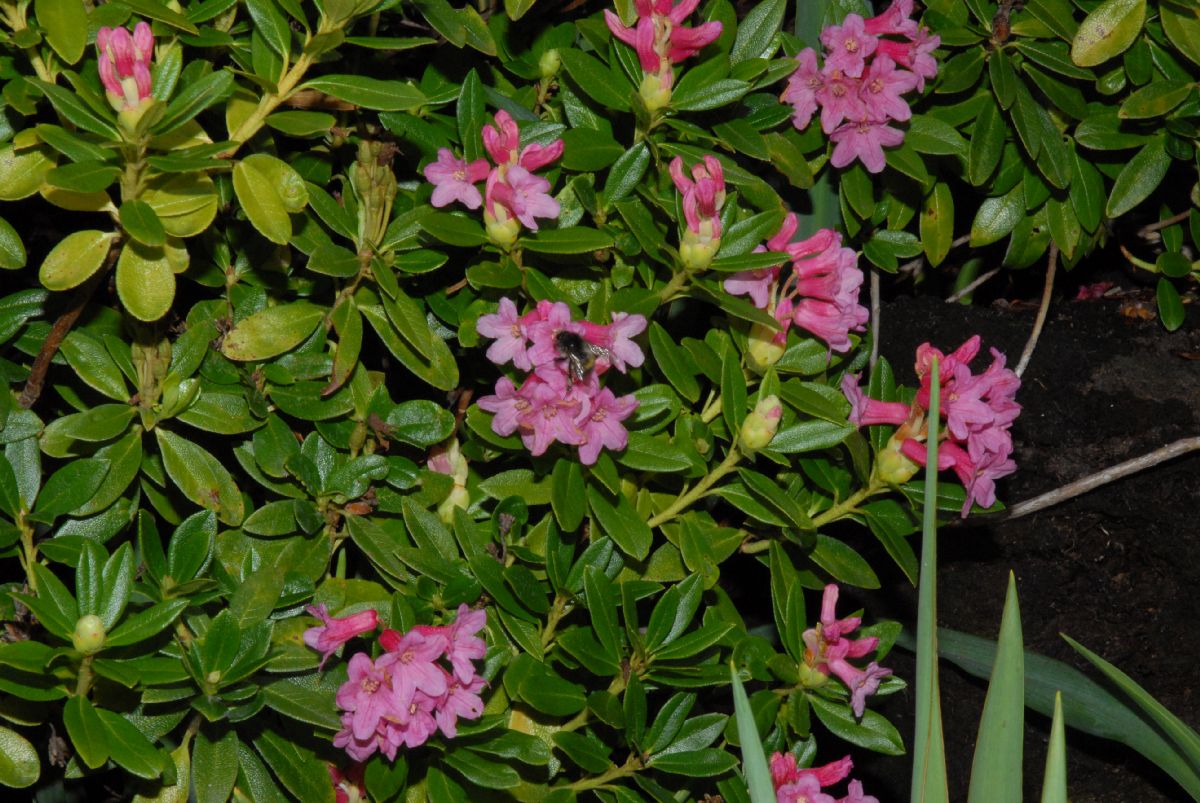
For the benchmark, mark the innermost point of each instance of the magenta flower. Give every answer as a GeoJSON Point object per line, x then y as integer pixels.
{"type": "Point", "coordinates": [827, 649]}
{"type": "Point", "coordinates": [867, 412]}
{"type": "Point", "coordinates": [847, 46]}
{"type": "Point", "coordinates": [508, 405]}
{"type": "Point", "coordinates": [864, 140]}
{"type": "Point", "coordinates": [896, 20]}
{"type": "Point", "coordinates": [840, 100]}
{"type": "Point", "coordinates": [617, 339]}
{"type": "Point", "coordinates": [367, 698]}
{"type": "Point", "coordinates": [335, 632]}
{"type": "Point", "coordinates": [659, 37]}
{"type": "Point", "coordinates": [601, 425]}
{"type": "Point", "coordinates": [460, 700]}
{"type": "Point", "coordinates": [414, 668]}
{"type": "Point", "coordinates": [704, 196]}
{"type": "Point", "coordinates": [817, 292]}
{"type": "Point", "coordinates": [795, 784]}
{"type": "Point", "coordinates": [124, 62]}
{"type": "Point", "coordinates": [455, 180]}
{"type": "Point", "coordinates": [502, 140]}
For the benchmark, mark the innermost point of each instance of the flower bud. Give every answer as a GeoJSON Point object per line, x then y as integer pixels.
{"type": "Point", "coordinates": [811, 677]}
{"type": "Point", "coordinates": [549, 63]}
{"type": "Point", "coordinates": [762, 348]}
{"type": "Point", "coordinates": [458, 497]}
{"type": "Point", "coordinates": [502, 231]}
{"type": "Point", "coordinates": [655, 92]}
{"type": "Point", "coordinates": [892, 467]}
{"type": "Point", "coordinates": [89, 635]}
{"type": "Point", "coordinates": [761, 425]}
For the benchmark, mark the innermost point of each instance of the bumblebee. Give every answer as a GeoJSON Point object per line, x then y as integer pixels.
{"type": "Point", "coordinates": [579, 355]}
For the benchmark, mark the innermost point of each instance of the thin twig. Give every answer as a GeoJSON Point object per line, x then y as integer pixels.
{"type": "Point", "coordinates": [1150, 228]}
{"type": "Point", "coordinates": [957, 294]}
{"type": "Point", "coordinates": [1071, 490]}
{"type": "Point", "coordinates": [58, 333]}
{"type": "Point", "coordinates": [1051, 268]}
{"type": "Point", "coordinates": [875, 318]}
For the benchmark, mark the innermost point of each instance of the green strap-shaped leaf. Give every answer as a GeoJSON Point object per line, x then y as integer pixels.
{"type": "Point", "coordinates": [1107, 31]}
{"type": "Point", "coordinates": [87, 732]}
{"type": "Point", "coordinates": [76, 257]}
{"type": "Point", "coordinates": [200, 476]}
{"type": "Point", "coordinates": [370, 93]}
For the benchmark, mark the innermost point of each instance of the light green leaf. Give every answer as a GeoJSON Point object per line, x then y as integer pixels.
{"type": "Point", "coordinates": [200, 476]}
{"type": "Point", "coordinates": [12, 250]}
{"type": "Point", "coordinates": [65, 25]}
{"type": "Point", "coordinates": [145, 281]}
{"type": "Point", "coordinates": [19, 763]}
{"type": "Point", "coordinates": [262, 202]}
{"type": "Point", "coordinates": [1107, 31]}
{"type": "Point", "coordinates": [76, 257]}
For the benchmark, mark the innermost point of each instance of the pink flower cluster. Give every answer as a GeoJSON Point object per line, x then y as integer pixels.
{"type": "Point", "coordinates": [661, 40]}
{"type": "Point", "coordinates": [858, 88]}
{"type": "Point", "coordinates": [561, 398]}
{"type": "Point", "coordinates": [124, 61]}
{"type": "Point", "coordinates": [512, 192]}
{"type": "Point", "coordinates": [818, 291]}
{"type": "Point", "coordinates": [794, 784]}
{"type": "Point", "coordinates": [406, 695]}
{"type": "Point", "coordinates": [703, 196]}
{"type": "Point", "coordinates": [827, 648]}
{"type": "Point", "coordinates": [978, 410]}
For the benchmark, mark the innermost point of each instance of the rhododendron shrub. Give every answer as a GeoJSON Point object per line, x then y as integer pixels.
{"type": "Point", "coordinates": [398, 401]}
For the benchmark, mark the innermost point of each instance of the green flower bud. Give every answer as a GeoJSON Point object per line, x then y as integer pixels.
{"type": "Point", "coordinates": [761, 425]}
{"type": "Point", "coordinates": [762, 348]}
{"type": "Point", "coordinates": [503, 232]}
{"type": "Point", "coordinates": [654, 93]}
{"type": "Point", "coordinates": [89, 635]}
{"type": "Point", "coordinates": [811, 678]}
{"type": "Point", "coordinates": [549, 63]}
{"type": "Point", "coordinates": [892, 466]}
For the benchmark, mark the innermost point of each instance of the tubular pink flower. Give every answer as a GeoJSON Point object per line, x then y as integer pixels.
{"type": "Point", "coordinates": [894, 21]}
{"type": "Point", "coordinates": [502, 138]}
{"type": "Point", "coordinates": [617, 339]}
{"type": "Point", "coordinates": [754, 283]}
{"type": "Point", "coordinates": [867, 412]}
{"type": "Point", "coordinates": [367, 696]}
{"type": "Point", "coordinates": [827, 648]}
{"type": "Point", "coordinates": [335, 632]}
{"type": "Point", "coordinates": [794, 784]}
{"type": "Point", "coordinates": [460, 700]}
{"type": "Point", "coordinates": [854, 794]}
{"type": "Point", "coordinates": [864, 140]}
{"type": "Point", "coordinates": [455, 180]}
{"type": "Point", "coordinates": [847, 46]}
{"type": "Point", "coordinates": [508, 405]}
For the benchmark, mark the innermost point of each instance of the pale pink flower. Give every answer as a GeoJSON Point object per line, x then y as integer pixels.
{"type": "Point", "coordinates": [506, 327]}
{"type": "Point", "coordinates": [460, 700]}
{"type": "Point", "coordinates": [601, 425]}
{"type": "Point", "coordinates": [335, 632]}
{"type": "Point", "coordinates": [124, 63]}
{"type": "Point", "coordinates": [617, 339]}
{"type": "Point", "coordinates": [847, 46]}
{"type": "Point", "coordinates": [414, 668]}
{"type": "Point", "coordinates": [415, 725]}
{"type": "Point", "coordinates": [882, 87]}
{"type": "Point", "coordinates": [840, 100]}
{"type": "Point", "coordinates": [524, 195]}
{"type": "Point", "coordinates": [864, 140]}
{"type": "Point", "coordinates": [855, 794]}
{"type": "Point", "coordinates": [756, 283]}
{"type": "Point", "coordinates": [802, 88]}
{"type": "Point", "coordinates": [463, 643]}
{"type": "Point", "coordinates": [508, 405]}
{"type": "Point", "coordinates": [367, 697]}
{"type": "Point", "coordinates": [454, 179]}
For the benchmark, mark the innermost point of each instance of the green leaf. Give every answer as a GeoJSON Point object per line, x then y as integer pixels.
{"type": "Point", "coordinates": [272, 331]}
{"type": "Point", "coordinates": [706, 763]}
{"type": "Point", "coordinates": [621, 523]}
{"type": "Point", "coordinates": [757, 30]}
{"type": "Point", "coordinates": [1156, 99]}
{"type": "Point", "coordinates": [74, 259]}
{"type": "Point", "coordinates": [626, 172]}
{"type": "Point", "coordinates": [454, 229]}
{"type": "Point", "coordinates": [140, 222]}
{"type": "Point", "coordinates": [87, 732]}
{"type": "Point", "coordinates": [998, 753]}
{"type": "Point", "coordinates": [588, 150]}
{"type": "Point", "coordinates": [83, 177]}
{"type": "Point", "coordinates": [262, 202]}
{"type": "Point", "coordinates": [575, 240]}
{"type": "Point", "coordinates": [146, 624]}
{"type": "Point", "coordinates": [370, 93]}
{"type": "Point", "coordinates": [12, 250]}
{"type": "Point", "coordinates": [200, 476]}
{"type": "Point", "coordinates": [873, 732]}
{"type": "Point", "coordinates": [937, 223]}
{"type": "Point", "coordinates": [21, 173]}
{"type": "Point", "coordinates": [19, 763]}
{"type": "Point", "coordinates": [997, 217]}
{"type": "Point", "coordinates": [271, 25]}
{"type": "Point", "coordinates": [302, 703]}
{"type": "Point", "coordinates": [129, 747]}
{"type": "Point", "coordinates": [145, 281]}
{"type": "Point", "coordinates": [567, 497]}
{"type": "Point", "coordinates": [214, 764]}
{"type": "Point", "coordinates": [711, 95]}
{"type": "Point", "coordinates": [69, 488]}
{"type": "Point", "coordinates": [74, 110]}
{"type": "Point", "coordinates": [1170, 306]}
{"type": "Point", "coordinates": [789, 159]}
{"type": "Point", "coordinates": [152, 9]}
{"type": "Point", "coordinates": [1107, 31]}
{"type": "Point", "coordinates": [1054, 780]}
{"type": "Point", "coordinates": [1181, 23]}
{"type": "Point", "coordinates": [1138, 178]}
{"type": "Point", "coordinates": [194, 98]}
{"type": "Point", "coordinates": [64, 24]}
{"type": "Point", "coordinates": [302, 124]}
{"type": "Point", "coordinates": [480, 771]}
{"type": "Point", "coordinates": [598, 81]}
{"type": "Point", "coordinates": [754, 759]}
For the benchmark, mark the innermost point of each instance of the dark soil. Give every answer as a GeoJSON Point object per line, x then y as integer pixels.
{"type": "Point", "coordinates": [1116, 569]}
